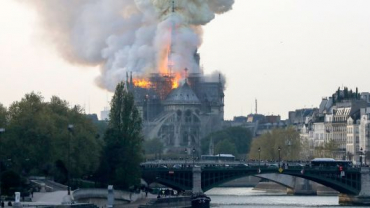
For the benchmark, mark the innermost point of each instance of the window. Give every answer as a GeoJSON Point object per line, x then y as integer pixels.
{"type": "Point", "coordinates": [179, 113]}
{"type": "Point", "coordinates": [188, 116]}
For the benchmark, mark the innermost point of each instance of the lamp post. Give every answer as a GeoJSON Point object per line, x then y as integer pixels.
{"type": "Point", "coordinates": [193, 155]}
{"type": "Point", "coordinates": [259, 157]}
{"type": "Point", "coordinates": [279, 149]}
{"type": "Point", "coordinates": [2, 130]}
{"type": "Point", "coordinates": [361, 156]}
{"type": "Point", "coordinates": [70, 130]}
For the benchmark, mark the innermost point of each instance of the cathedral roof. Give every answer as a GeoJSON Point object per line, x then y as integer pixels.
{"type": "Point", "coordinates": [182, 95]}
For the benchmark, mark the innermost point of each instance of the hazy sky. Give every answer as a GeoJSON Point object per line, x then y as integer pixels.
{"type": "Point", "coordinates": [287, 54]}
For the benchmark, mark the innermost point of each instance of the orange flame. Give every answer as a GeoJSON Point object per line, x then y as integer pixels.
{"type": "Point", "coordinates": [142, 83]}
{"type": "Point", "coordinates": [175, 83]}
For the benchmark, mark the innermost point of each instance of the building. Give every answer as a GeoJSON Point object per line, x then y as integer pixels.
{"type": "Point", "coordinates": [364, 133]}
{"type": "Point", "coordinates": [353, 141]}
{"type": "Point", "coordinates": [179, 115]}
{"type": "Point", "coordinates": [104, 114]}
{"type": "Point", "coordinates": [338, 120]}
{"type": "Point", "coordinates": [257, 124]}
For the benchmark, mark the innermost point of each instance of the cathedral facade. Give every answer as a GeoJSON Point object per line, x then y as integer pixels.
{"type": "Point", "coordinates": [180, 117]}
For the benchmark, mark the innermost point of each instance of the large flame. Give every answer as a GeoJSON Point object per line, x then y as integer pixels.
{"type": "Point", "coordinates": [143, 83]}
{"type": "Point", "coordinates": [176, 80]}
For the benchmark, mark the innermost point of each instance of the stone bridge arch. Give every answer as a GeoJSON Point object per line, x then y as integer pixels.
{"type": "Point", "coordinates": [181, 179]}
{"type": "Point", "coordinates": [294, 185]}
{"type": "Point", "coordinates": [281, 179]}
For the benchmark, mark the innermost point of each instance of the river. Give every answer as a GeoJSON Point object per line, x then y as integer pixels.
{"type": "Point", "coordinates": [246, 197]}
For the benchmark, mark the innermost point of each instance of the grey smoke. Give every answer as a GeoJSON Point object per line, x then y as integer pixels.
{"type": "Point", "coordinates": [127, 35]}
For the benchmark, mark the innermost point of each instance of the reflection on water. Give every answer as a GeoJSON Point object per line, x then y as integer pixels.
{"type": "Point", "coordinates": [246, 197]}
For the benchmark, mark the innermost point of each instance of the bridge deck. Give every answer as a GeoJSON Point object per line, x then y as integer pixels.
{"type": "Point", "coordinates": [179, 175]}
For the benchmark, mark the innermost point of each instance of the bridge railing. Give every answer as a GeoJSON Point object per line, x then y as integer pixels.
{"type": "Point", "coordinates": [173, 165]}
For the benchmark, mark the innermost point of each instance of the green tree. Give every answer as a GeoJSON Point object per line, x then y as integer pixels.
{"type": "Point", "coordinates": [37, 136]}
{"type": "Point", "coordinates": [153, 146]}
{"type": "Point", "coordinates": [306, 150]}
{"type": "Point", "coordinates": [3, 115]}
{"type": "Point", "coordinates": [226, 147]}
{"type": "Point", "coordinates": [287, 139]}
{"type": "Point", "coordinates": [123, 141]}
{"type": "Point", "coordinates": [327, 150]}
{"type": "Point", "coordinates": [239, 136]}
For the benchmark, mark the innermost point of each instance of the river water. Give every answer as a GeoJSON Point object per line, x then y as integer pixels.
{"type": "Point", "coordinates": [246, 197]}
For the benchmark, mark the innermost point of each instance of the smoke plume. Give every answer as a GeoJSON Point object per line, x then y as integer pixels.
{"type": "Point", "coordinates": [142, 36]}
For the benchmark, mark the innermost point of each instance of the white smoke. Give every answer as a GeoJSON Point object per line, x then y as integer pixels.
{"type": "Point", "coordinates": [216, 76]}
{"type": "Point", "coordinates": [128, 35]}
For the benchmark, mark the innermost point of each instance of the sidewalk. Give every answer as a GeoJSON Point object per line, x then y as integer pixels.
{"type": "Point", "coordinates": [48, 198]}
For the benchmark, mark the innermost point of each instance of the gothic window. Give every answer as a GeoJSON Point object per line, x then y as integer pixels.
{"type": "Point", "coordinates": [179, 113]}
{"type": "Point", "coordinates": [188, 116]}
{"type": "Point", "coordinates": [195, 119]}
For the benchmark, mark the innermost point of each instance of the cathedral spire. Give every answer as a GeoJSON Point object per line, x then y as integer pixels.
{"type": "Point", "coordinates": [170, 52]}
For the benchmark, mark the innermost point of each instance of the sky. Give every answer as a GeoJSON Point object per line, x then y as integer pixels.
{"type": "Point", "coordinates": [287, 54]}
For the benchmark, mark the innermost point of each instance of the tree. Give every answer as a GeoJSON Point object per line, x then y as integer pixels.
{"type": "Point", "coordinates": [327, 150]}
{"type": "Point", "coordinates": [287, 139]}
{"type": "Point", "coordinates": [345, 93]}
{"type": "Point", "coordinates": [3, 115]}
{"type": "Point", "coordinates": [154, 146]}
{"type": "Point", "coordinates": [37, 136]}
{"type": "Point", "coordinates": [306, 150]}
{"type": "Point", "coordinates": [239, 136]}
{"type": "Point", "coordinates": [123, 141]}
{"type": "Point", "coordinates": [226, 147]}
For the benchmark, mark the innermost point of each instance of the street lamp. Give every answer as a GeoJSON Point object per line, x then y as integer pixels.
{"type": "Point", "coordinates": [279, 149]}
{"type": "Point", "coordinates": [2, 130]}
{"type": "Point", "coordinates": [259, 157]}
{"type": "Point", "coordinates": [193, 155]}
{"type": "Point", "coordinates": [70, 130]}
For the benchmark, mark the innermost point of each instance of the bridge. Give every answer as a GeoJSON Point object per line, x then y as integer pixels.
{"type": "Point", "coordinates": [353, 183]}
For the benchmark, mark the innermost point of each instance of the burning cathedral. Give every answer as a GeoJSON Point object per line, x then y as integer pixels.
{"type": "Point", "coordinates": [179, 112]}
{"type": "Point", "coordinates": [178, 103]}
{"type": "Point", "coordinates": [152, 44]}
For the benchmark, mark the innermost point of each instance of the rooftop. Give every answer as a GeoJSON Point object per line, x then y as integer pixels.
{"type": "Point", "coordinates": [182, 95]}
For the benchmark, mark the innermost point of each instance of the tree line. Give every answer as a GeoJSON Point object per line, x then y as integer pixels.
{"type": "Point", "coordinates": [266, 146]}
{"type": "Point", "coordinates": [36, 140]}
{"type": "Point", "coordinates": [231, 140]}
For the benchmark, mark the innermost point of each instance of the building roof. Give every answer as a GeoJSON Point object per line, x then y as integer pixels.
{"type": "Point", "coordinates": [325, 105]}
{"type": "Point", "coordinates": [182, 95]}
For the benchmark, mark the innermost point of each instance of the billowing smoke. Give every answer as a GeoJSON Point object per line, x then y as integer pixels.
{"type": "Point", "coordinates": [216, 76]}
{"type": "Point", "coordinates": [142, 36]}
